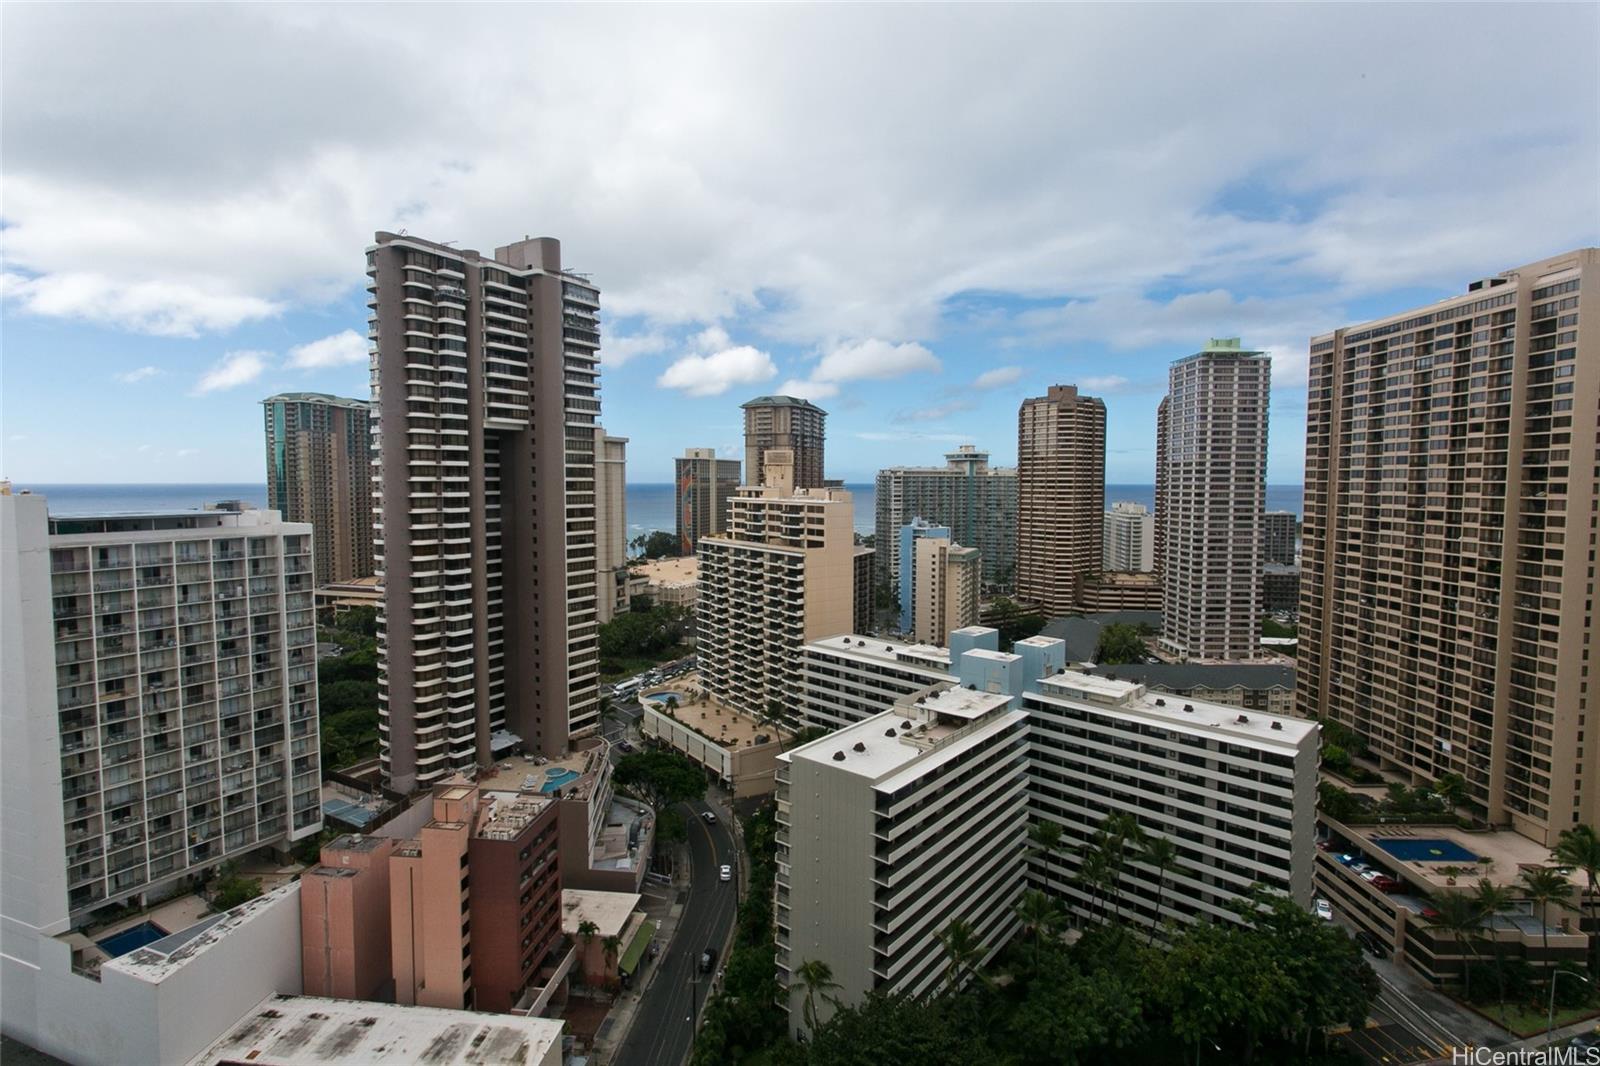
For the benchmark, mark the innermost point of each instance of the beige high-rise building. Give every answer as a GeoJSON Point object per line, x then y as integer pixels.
{"type": "Point", "coordinates": [783, 574]}
{"type": "Point", "coordinates": [1279, 532]}
{"type": "Point", "coordinates": [1448, 537]}
{"type": "Point", "coordinates": [486, 377]}
{"type": "Point", "coordinates": [944, 590]}
{"type": "Point", "coordinates": [1061, 494]}
{"type": "Point", "coordinates": [610, 524]}
{"type": "Point", "coordinates": [319, 470]}
{"type": "Point", "coordinates": [1159, 534]}
{"type": "Point", "coordinates": [705, 484]}
{"type": "Point", "coordinates": [786, 422]}
{"type": "Point", "coordinates": [1214, 491]}
{"type": "Point", "coordinates": [1129, 538]}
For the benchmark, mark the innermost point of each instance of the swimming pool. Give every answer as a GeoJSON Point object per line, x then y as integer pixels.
{"type": "Point", "coordinates": [131, 939]}
{"type": "Point", "coordinates": [663, 697]}
{"type": "Point", "coordinates": [554, 779]}
{"type": "Point", "coordinates": [1425, 849]}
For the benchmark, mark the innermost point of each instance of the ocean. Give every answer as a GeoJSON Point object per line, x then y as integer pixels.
{"type": "Point", "coordinates": [650, 506]}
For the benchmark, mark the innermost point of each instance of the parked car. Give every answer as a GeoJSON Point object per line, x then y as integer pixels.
{"type": "Point", "coordinates": [1324, 910]}
{"type": "Point", "coordinates": [1385, 883]}
{"type": "Point", "coordinates": [1585, 1041]}
{"type": "Point", "coordinates": [725, 872]}
{"type": "Point", "coordinates": [708, 960]}
{"type": "Point", "coordinates": [624, 747]}
{"type": "Point", "coordinates": [709, 816]}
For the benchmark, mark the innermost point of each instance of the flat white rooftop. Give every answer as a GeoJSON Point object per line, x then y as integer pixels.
{"type": "Point", "coordinates": [965, 703]}
{"type": "Point", "coordinates": [890, 651]}
{"type": "Point", "coordinates": [608, 910]}
{"type": "Point", "coordinates": [157, 961]}
{"type": "Point", "coordinates": [887, 743]}
{"type": "Point", "coordinates": [311, 1030]}
{"type": "Point", "coordinates": [1106, 694]}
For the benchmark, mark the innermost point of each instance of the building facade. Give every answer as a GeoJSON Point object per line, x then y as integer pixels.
{"type": "Point", "coordinates": [944, 594]}
{"type": "Point", "coordinates": [1061, 495]}
{"type": "Point", "coordinates": [1279, 536]}
{"type": "Point", "coordinates": [1129, 539]}
{"type": "Point", "coordinates": [1213, 494]}
{"type": "Point", "coordinates": [1116, 590]}
{"type": "Point", "coordinates": [847, 678]}
{"type": "Point", "coordinates": [789, 423]}
{"type": "Point", "coordinates": [486, 389]}
{"type": "Point", "coordinates": [1450, 496]}
{"type": "Point", "coordinates": [906, 538]}
{"type": "Point", "coordinates": [889, 830]}
{"type": "Point", "coordinates": [977, 502]}
{"type": "Point", "coordinates": [319, 471]}
{"type": "Point", "coordinates": [160, 701]}
{"type": "Point", "coordinates": [782, 575]}
{"type": "Point", "coordinates": [1159, 537]}
{"type": "Point", "coordinates": [1236, 793]}
{"type": "Point", "coordinates": [704, 485]}
{"type": "Point", "coordinates": [610, 524]}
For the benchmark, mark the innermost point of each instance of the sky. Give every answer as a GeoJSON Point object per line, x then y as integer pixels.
{"type": "Point", "coordinates": [915, 216]}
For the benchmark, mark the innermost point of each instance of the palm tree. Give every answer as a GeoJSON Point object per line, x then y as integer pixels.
{"type": "Point", "coordinates": [1040, 916]}
{"type": "Point", "coordinates": [1161, 853]}
{"type": "Point", "coordinates": [1544, 885]}
{"type": "Point", "coordinates": [817, 977]}
{"type": "Point", "coordinates": [1459, 915]}
{"type": "Point", "coordinates": [961, 943]}
{"type": "Point", "coordinates": [1118, 834]}
{"type": "Point", "coordinates": [1492, 899]}
{"type": "Point", "coordinates": [1094, 874]}
{"type": "Point", "coordinates": [609, 946]}
{"type": "Point", "coordinates": [1044, 839]}
{"type": "Point", "coordinates": [1580, 847]}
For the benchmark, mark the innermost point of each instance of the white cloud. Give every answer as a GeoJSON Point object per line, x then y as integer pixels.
{"type": "Point", "coordinates": [936, 413]}
{"type": "Point", "coordinates": [131, 377]}
{"type": "Point", "coordinates": [715, 374]}
{"type": "Point", "coordinates": [341, 349]}
{"type": "Point", "coordinates": [999, 377]}
{"type": "Point", "coordinates": [619, 350]}
{"type": "Point", "coordinates": [184, 453]}
{"type": "Point", "coordinates": [167, 307]}
{"type": "Point", "coordinates": [1099, 386]}
{"type": "Point", "coordinates": [231, 371]}
{"type": "Point", "coordinates": [808, 390]}
{"type": "Point", "coordinates": [873, 359]}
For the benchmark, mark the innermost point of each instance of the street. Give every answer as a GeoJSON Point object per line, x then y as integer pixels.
{"type": "Point", "coordinates": [662, 1029]}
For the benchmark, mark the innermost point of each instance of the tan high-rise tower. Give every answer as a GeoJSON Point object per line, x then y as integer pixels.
{"type": "Point", "coordinates": [486, 376]}
{"type": "Point", "coordinates": [319, 470]}
{"type": "Point", "coordinates": [705, 484]}
{"type": "Point", "coordinates": [784, 422]}
{"type": "Point", "coordinates": [1447, 588]}
{"type": "Point", "coordinates": [1061, 494]}
{"type": "Point", "coordinates": [1213, 492]}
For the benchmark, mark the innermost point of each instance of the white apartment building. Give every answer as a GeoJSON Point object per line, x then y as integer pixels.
{"type": "Point", "coordinates": [160, 702]}
{"type": "Point", "coordinates": [610, 524]}
{"type": "Point", "coordinates": [783, 574]}
{"type": "Point", "coordinates": [1234, 790]}
{"type": "Point", "coordinates": [1130, 538]}
{"type": "Point", "coordinates": [891, 829]}
{"type": "Point", "coordinates": [847, 678]}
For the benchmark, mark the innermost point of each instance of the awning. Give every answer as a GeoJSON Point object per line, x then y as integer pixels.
{"type": "Point", "coordinates": [636, 947]}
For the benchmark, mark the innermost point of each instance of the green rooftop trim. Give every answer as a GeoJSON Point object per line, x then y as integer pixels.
{"type": "Point", "coordinates": [317, 397]}
{"type": "Point", "coordinates": [781, 401]}
{"type": "Point", "coordinates": [641, 940]}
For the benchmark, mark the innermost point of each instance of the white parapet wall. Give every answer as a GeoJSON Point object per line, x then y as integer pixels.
{"type": "Point", "coordinates": [164, 1003]}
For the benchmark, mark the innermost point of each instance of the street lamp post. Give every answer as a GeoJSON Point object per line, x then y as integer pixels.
{"type": "Point", "coordinates": [1555, 975]}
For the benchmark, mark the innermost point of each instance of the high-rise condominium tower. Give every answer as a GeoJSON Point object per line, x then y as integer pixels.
{"type": "Point", "coordinates": [705, 484]}
{"type": "Point", "coordinates": [611, 523]}
{"type": "Point", "coordinates": [789, 423]}
{"type": "Point", "coordinates": [1129, 538]}
{"type": "Point", "coordinates": [319, 470]}
{"type": "Point", "coordinates": [1061, 494]}
{"type": "Point", "coordinates": [1448, 585]}
{"type": "Point", "coordinates": [1213, 492]}
{"type": "Point", "coordinates": [978, 502]}
{"type": "Point", "coordinates": [158, 697]}
{"type": "Point", "coordinates": [1278, 537]}
{"type": "Point", "coordinates": [485, 383]}
{"type": "Point", "coordinates": [1159, 536]}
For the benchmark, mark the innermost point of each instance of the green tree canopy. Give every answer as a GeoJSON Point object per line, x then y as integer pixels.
{"type": "Point", "coordinates": [660, 778]}
{"type": "Point", "coordinates": [1120, 643]}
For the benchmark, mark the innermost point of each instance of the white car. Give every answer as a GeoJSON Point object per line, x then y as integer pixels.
{"type": "Point", "coordinates": [725, 873]}
{"type": "Point", "coordinates": [1324, 910]}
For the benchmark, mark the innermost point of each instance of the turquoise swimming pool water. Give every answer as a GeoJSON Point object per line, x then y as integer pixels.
{"type": "Point", "coordinates": [1426, 849]}
{"type": "Point", "coordinates": [555, 779]}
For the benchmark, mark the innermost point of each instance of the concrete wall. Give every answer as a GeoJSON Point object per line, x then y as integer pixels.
{"type": "Point", "coordinates": [139, 1013]}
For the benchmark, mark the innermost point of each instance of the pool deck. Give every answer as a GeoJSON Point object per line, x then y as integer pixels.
{"type": "Point", "coordinates": [1506, 851]}
{"type": "Point", "coordinates": [728, 727]}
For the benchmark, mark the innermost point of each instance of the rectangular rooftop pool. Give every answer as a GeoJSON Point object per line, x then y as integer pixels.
{"type": "Point", "coordinates": [1425, 849]}
{"type": "Point", "coordinates": [131, 939]}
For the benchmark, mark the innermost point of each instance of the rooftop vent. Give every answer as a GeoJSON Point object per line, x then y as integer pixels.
{"type": "Point", "coordinates": [906, 724]}
{"type": "Point", "coordinates": [888, 647]}
{"type": "Point", "coordinates": [1189, 708]}
{"type": "Point", "coordinates": [859, 746]}
{"type": "Point", "coordinates": [889, 732]}
{"type": "Point", "coordinates": [1277, 725]}
{"type": "Point", "coordinates": [1242, 719]}
{"type": "Point", "coordinates": [838, 756]}
{"type": "Point", "coordinates": [973, 686]}
{"type": "Point", "coordinates": [1161, 703]}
